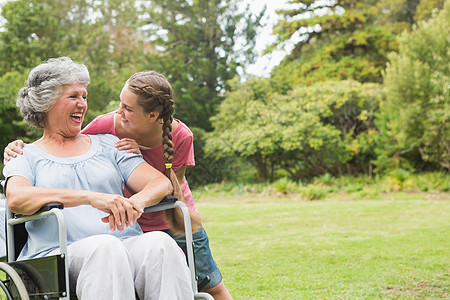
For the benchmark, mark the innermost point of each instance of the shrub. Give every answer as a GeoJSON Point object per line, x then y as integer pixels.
{"type": "Point", "coordinates": [399, 179]}
{"type": "Point", "coordinates": [314, 192]}
{"type": "Point", "coordinates": [284, 185]}
{"type": "Point", "coordinates": [325, 179]}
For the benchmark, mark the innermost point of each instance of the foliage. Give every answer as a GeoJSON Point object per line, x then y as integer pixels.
{"type": "Point", "coordinates": [103, 35]}
{"type": "Point", "coordinates": [427, 8]}
{"type": "Point", "coordinates": [431, 181]}
{"type": "Point", "coordinates": [313, 192]}
{"type": "Point", "coordinates": [199, 54]}
{"type": "Point", "coordinates": [335, 40]}
{"type": "Point", "coordinates": [10, 121]}
{"type": "Point", "coordinates": [111, 45]}
{"type": "Point", "coordinates": [208, 168]}
{"type": "Point", "coordinates": [284, 186]}
{"type": "Point", "coordinates": [240, 113]}
{"type": "Point", "coordinates": [31, 34]}
{"type": "Point", "coordinates": [317, 117]}
{"type": "Point", "coordinates": [398, 179]}
{"type": "Point", "coordinates": [399, 15]}
{"type": "Point", "coordinates": [345, 187]}
{"type": "Point", "coordinates": [415, 114]}
{"type": "Point", "coordinates": [325, 179]}
{"type": "Point", "coordinates": [325, 128]}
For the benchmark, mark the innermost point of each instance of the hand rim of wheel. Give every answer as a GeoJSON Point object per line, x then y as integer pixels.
{"type": "Point", "coordinates": [16, 279]}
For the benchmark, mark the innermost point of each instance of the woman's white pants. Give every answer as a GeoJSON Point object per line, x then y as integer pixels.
{"type": "Point", "coordinates": [152, 264]}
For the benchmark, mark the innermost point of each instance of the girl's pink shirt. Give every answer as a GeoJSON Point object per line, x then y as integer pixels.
{"type": "Point", "coordinates": [183, 155]}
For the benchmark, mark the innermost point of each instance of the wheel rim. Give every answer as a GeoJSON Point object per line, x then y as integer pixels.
{"type": "Point", "coordinates": [16, 280]}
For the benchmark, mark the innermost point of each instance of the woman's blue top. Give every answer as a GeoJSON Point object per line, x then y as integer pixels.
{"type": "Point", "coordinates": [102, 169]}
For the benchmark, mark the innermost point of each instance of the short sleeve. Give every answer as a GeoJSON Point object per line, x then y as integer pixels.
{"type": "Point", "coordinates": [20, 166]}
{"type": "Point", "coordinates": [127, 162]}
{"type": "Point", "coordinates": [184, 153]}
{"type": "Point", "coordinates": [101, 125]}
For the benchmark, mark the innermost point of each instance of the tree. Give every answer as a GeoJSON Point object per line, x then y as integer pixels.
{"type": "Point", "coordinates": [30, 34]}
{"type": "Point", "coordinates": [417, 105]}
{"type": "Point", "coordinates": [111, 46]}
{"type": "Point", "coordinates": [12, 125]}
{"type": "Point", "coordinates": [198, 51]}
{"type": "Point", "coordinates": [103, 35]}
{"type": "Point", "coordinates": [427, 8]}
{"type": "Point", "coordinates": [325, 128]}
{"type": "Point", "coordinates": [339, 40]}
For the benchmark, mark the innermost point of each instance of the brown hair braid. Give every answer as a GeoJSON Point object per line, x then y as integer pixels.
{"type": "Point", "coordinates": [155, 94]}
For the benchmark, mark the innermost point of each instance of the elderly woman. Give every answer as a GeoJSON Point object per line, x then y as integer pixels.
{"type": "Point", "coordinates": [109, 256]}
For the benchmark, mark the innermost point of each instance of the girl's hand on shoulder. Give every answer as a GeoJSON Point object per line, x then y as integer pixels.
{"type": "Point", "coordinates": [129, 145]}
{"type": "Point", "coordinates": [12, 150]}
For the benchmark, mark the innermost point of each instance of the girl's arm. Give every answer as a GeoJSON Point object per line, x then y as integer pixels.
{"type": "Point", "coordinates": [129, 145]}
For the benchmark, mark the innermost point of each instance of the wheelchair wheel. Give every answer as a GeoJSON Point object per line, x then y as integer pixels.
{"type": "Point", "coordinates": [11, 283]}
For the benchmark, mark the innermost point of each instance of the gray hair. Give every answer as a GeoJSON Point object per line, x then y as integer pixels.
{"type": "Point", "coordinates": [45, 84]}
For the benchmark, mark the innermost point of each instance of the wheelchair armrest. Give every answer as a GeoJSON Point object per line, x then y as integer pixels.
{"type": "Point", "coordinates": [51, 205]}
{"type": "Point", "coordinates": [46, 207]}
{"type": "Point", "coordinates": [166, 203]}
{"type": "Point", "coordinates": [45, 211]}
{"type": "Point", "coordinates": [168, 199]}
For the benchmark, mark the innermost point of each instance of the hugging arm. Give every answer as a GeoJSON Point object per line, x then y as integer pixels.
{"type": "Point", "coordinates": [12, 150]}
{"type": "Point", "coordinates": [130, 145]}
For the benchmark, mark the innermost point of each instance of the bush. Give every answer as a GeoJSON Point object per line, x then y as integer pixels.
{"type": "Point", "coordinates": [345, 187]}
{"type": "Point", "coordinates": [314, 192]}
{"type": "Point", "coordinates": [284, 185]}
{"type": "Point", "coordinates": [325, 179]}
{"type": "Point", "coordinates": [399, 180]}
{"type": "Point", "coordinates": [433, 181]}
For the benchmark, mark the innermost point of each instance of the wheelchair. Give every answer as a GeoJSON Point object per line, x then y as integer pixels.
{"type": "Point", "coordinates": [48, 277]}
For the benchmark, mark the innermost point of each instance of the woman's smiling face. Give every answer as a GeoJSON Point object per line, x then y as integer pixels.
{"type": "Point", "coordinates": [131, 114]}
{"type": "Point", "coordinates": [67, 114]}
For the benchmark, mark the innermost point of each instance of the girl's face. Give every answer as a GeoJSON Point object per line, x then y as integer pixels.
{"type": "Point", "coordinates": [131, 113]}
{"type": "Point", "coordinates": [67, 114]}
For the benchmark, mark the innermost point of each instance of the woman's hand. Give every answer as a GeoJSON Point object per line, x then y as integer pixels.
{"type": "Point", "coordinates": [12, 150]}
{"type": "Point", "coordinates": [128, 144]}
{"type": "Point", "coordinates": [122, 212]}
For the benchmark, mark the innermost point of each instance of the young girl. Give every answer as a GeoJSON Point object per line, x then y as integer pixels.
{"type": "Point", "coordinates": [144, 122]}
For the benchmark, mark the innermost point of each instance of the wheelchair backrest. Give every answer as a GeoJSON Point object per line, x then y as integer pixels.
{"type": "Point", "coordinates": [20, 233]}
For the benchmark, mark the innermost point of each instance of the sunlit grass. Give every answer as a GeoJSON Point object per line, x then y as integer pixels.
{"type": "Point", "coordinates": [395, 247]}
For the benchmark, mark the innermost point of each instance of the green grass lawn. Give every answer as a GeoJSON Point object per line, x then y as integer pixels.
{"type": "Point", "coordinates": [395, 247]}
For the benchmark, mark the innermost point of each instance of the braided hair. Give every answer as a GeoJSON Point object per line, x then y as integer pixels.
{"type": "Point", "coordinates": [155, 94]}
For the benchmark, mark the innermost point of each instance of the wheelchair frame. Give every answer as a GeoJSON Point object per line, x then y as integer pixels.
{"type": "Point", "coordinates": [54, 209]}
